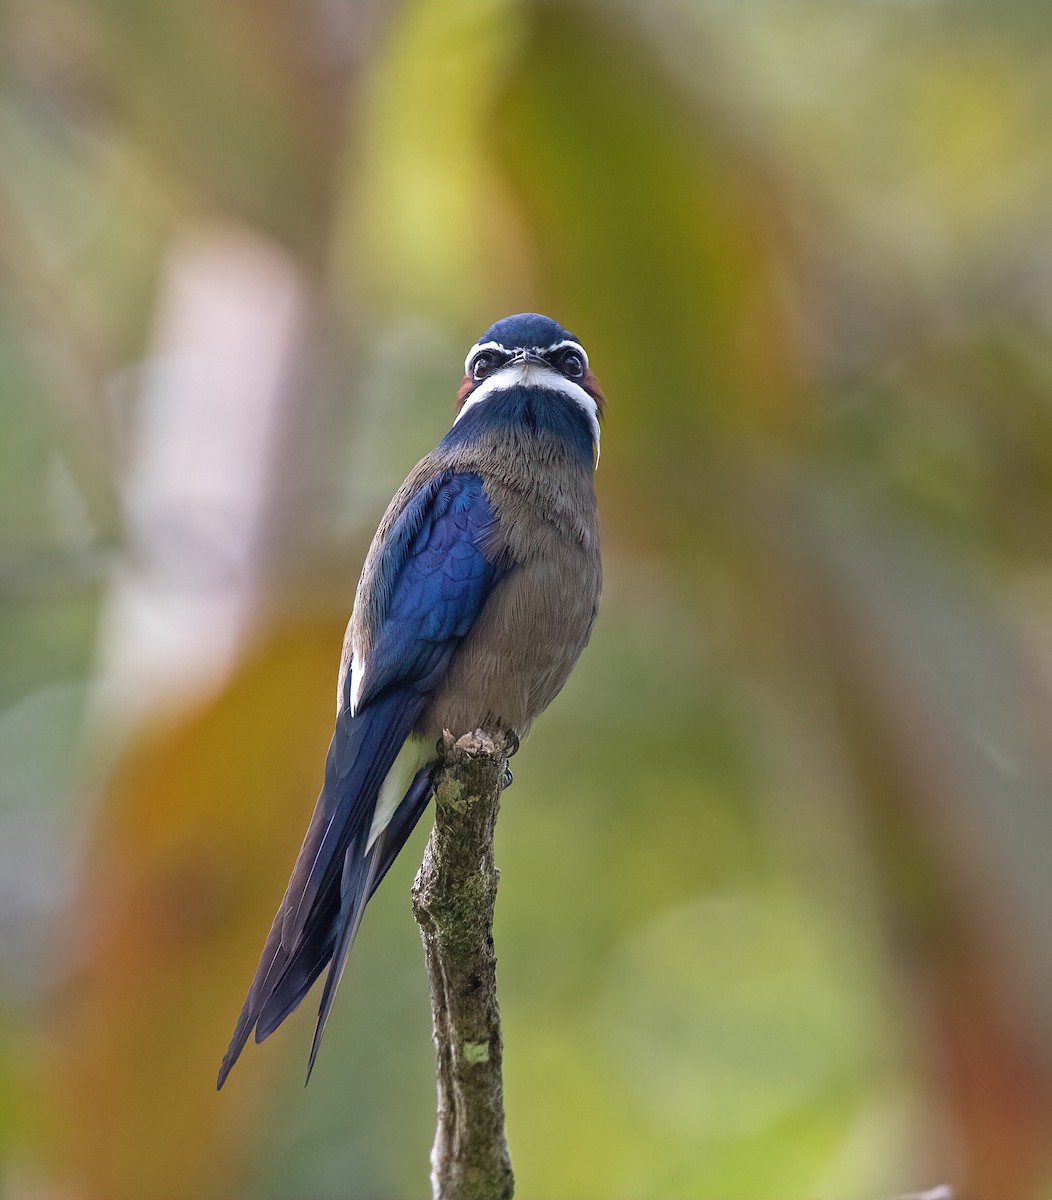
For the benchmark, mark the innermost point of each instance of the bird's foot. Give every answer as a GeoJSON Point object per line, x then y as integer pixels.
{"type": "Point", "coordinates": [507, 779]}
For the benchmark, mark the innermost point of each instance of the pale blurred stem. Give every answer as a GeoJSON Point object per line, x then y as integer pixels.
{"type": "Point", "coordinates": [453, 898]}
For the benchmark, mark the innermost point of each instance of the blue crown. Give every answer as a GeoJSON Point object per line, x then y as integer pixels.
{"type": "Point", "coordinates": [527, 330]}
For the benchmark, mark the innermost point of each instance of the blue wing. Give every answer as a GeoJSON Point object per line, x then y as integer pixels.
{"type": "Point", "coordinates": [439, 564]}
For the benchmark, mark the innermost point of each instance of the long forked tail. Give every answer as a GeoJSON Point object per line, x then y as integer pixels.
{"type": "Point", "coordinates": [336, 873]}
{"type": "Point", "coordinates": [367, 874]}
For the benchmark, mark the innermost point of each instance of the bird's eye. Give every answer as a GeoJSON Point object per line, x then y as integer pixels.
{"type": "Point", "coordinates": [484, 363]}
{"type": "Point", "coordinates": [572, 364]}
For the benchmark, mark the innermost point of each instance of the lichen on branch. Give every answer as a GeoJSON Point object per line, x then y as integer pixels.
{"type": "Point", "coordinates": [453, 900]}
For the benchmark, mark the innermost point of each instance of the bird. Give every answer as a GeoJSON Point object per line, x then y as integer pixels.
{"type": "Point", "coordinates": [478, 593]}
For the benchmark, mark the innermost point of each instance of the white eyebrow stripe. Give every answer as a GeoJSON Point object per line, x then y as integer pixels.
{"type": "Point", "coordinates": [564, 344]}
{"type": "Point", "coordinates": [482, 346]}
{"type": "Point", "coordinates": [569, 342]}
{"type": "Point", "coordinates": [542, 376]}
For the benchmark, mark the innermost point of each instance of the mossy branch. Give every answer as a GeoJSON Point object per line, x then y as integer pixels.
{"type": "Point", "coordinates": [453, 900]}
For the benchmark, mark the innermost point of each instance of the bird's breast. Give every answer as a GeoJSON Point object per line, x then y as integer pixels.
{"type": "Point", "coordinates": [532, 629]}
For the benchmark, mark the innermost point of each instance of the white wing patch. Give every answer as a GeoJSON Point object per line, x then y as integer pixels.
{"type": "Point", "coordinates": [357, 679]}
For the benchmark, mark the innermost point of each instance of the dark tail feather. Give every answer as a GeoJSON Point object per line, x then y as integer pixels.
{"type": "Point", "coordinates": [275, 968]}
{"type": "Point", "coordinates": [351, 912]}
{"type": "Point", "coordinates": [306, 926]}
{"type": "Point", "coordinates": [303, 968]}
{"type": "Point", "coordinates": [287, 971]}
{"type": "Point", "coordinates": [361, 880]}
{"type": "Point", "coordinates": [271, 963]}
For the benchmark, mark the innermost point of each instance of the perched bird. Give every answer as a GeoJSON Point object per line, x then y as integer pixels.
{"type": "Point", "coordinates": [477, 596]}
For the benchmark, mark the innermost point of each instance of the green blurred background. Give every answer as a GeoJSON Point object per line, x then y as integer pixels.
{"type": "Point", "coordinates": [776, 911]}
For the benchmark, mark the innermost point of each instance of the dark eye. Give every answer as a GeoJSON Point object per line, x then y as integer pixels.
{"type": "Point", "coordinates": [484, 363]}
{"type": "Point", "coordinates": [572, 364]}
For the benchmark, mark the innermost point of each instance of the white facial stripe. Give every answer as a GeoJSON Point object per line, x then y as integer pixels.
{"type": "Point", "coordinates": [537, 375]}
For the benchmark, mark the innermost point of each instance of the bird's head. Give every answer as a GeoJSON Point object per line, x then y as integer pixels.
{"type": "Point", "coordinates": [531, 351]}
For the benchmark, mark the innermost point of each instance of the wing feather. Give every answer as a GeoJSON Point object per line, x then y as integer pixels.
{"type": "Point", "coordinates": [437, 566]}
